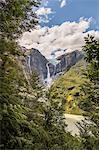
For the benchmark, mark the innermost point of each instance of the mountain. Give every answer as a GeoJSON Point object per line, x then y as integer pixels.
{"type": "Point", "coordinates": [67, 87]}
{"type": "Point", "coordinates": [68, 60]}
{"type": "Point", "coordinates": [36, 61]}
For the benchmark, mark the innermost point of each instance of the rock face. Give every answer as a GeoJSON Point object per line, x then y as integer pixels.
{"type": "Point", "coordinates": [36, 61]}
{"type": "Point", "coordinates": [68, 60]}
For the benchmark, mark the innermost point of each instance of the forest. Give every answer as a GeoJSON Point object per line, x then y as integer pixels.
{"type": "Point", "coordinates": [31, 117]}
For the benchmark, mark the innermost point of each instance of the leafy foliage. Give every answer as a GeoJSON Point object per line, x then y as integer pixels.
{"type": "Point", "coordinates": [91, 49]}
{"type": "Point", "coordinates": [17, 16]}
{"type": "Point", "coordinates": [30, 118]}
{"type": "Point", "coordinates": [90, 96]}
{"type": "Point", "coordinates": [91, 90]}
{"type": "Point", "coordinates": [15, 129]}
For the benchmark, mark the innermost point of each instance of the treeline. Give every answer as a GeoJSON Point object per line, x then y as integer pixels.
{"type": "Point", "coordinates": [29, 117]}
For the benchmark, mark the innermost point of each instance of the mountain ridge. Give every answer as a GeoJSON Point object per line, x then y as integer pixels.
{"type": "Point", "coordinates": [35, 61]}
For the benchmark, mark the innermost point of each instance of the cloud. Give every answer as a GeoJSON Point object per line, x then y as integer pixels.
{"type": "Point", "coordinates": [43, 13]}
{"type": "Point", "coordinates": [63, 3]}
{"type": "Point", "coordinates": [69, 35]}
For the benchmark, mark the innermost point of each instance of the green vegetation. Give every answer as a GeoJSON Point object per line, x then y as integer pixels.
{"type": "Point", "coordinates": [80, 86]}
{"type": "Point", "coordinates": [90, 97]}
{"type": "Point", "coordinates": [31, 118]}
{"type": "Point", "coordinates": [68, 87]}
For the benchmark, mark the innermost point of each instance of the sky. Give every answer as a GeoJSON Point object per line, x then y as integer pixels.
{"type": "Point", "coordinates": [71, 10]}
{"type": "Point", "coordinates": [63, 24]}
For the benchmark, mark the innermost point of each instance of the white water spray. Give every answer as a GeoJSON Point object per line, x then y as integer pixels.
{"type": "Point", "coordinates": [49, 79]}
{"type": "Point", "coordinates": [29, 63]}
{"type": "Point", "coordinates": [54, 61]}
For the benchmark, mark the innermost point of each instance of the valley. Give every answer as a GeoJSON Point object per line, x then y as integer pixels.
{"type": "Point", "coordinates": [63, 76]}
{"type": "Point", "coordinates": [49, 69]}
{"type": "Point", "coordinates": [49, 75]}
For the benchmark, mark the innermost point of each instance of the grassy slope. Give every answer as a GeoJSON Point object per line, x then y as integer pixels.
{"type": "Point", "coordinates": [68, 87]}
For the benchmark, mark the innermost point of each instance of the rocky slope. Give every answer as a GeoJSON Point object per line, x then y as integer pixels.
{"type": "Point", "coordinates": [68, 86]}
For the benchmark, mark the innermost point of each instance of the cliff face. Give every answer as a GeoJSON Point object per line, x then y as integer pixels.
{"type": "Point", "coordinates": [36, 61]}
{"type": "Point", "coordinates": [68, 60]}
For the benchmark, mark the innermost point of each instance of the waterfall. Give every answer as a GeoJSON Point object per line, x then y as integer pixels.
{"type": "Point", "coordinates": [29, 63]}
{"type": "Point", "coordinates": [54, 61]}
{"type": "Point", "coordinates": [49, 79]}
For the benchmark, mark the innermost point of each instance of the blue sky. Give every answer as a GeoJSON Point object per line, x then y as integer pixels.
{"type": "Point", "coordinates": [63, 25]}
{"type": "Point", "coordinates": [72, 11]}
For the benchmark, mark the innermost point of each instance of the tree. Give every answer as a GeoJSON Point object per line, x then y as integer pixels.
{"type": "Point", "coordinates": [91, 89]}
{"type": "Point", "coordinates": [15, 129]}
{"type": "Point", "coordinates": [91, 49]}
{"type": "Point", "coordinates": [17, 16]}
{"type": "Point", "coordinates": [90, 95]}
{"type": "Point", "coordinates": [54, 124]}
{"type": "Point", "coordinates": [26, 121]}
